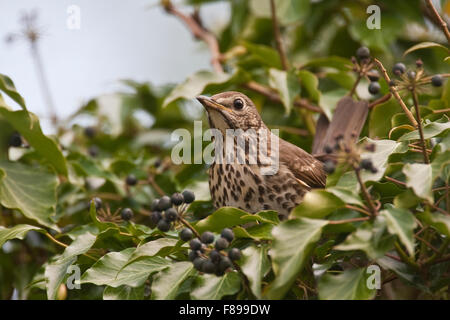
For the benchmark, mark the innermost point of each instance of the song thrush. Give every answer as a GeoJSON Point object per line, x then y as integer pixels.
{"type": "Point", "coordinates": [244, 185]}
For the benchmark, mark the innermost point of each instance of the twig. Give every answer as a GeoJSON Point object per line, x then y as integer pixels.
{"type": "Point", "coordinates": [348, 220]}
{"type": "Point", "coordinates": [395, 93]}
{"type": "Point", "coordinates": [395, 181]}
{"type": "Point", "coordinates": [381, 100]}
{"type": "Point", "coordinates": [365, 193]}
{"type": "Point", "coordinates": [436, 15]}
{"type": "Point", "coordinates": [187, 224]}
{"type": "Point", "coordinates": [419, 126]}
{"type": "Point", "coordinates": [65, 245]}
{"type": "Point", "coordinates": [348, 206]}
{"type": "Point", "coordinates": [277, 35]}
{"type": "Point", "coordinates": [392, 256]}
{"type": "Point", "coordinates": [155, 186]}
{"type": "Point", "coordinates": [405, 257]}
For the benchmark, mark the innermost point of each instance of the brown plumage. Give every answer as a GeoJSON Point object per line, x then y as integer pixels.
{"type": "Point", "coordinates": [244, 185]}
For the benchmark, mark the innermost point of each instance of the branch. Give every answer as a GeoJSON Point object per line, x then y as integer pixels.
{"type": "Point", "coordinates": [395, 93]}
{"type": "Point", "coordinates": [381, 100]}
{"type": "Point", "coordinates": [442, 23]}
{"type": "Point", "coordinates": [200, 33]}
{"type": "Point", "coordinates": [419, 126]}
{"type": "Point", "coordinates": [277, 35]}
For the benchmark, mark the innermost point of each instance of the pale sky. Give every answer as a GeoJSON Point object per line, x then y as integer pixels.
{"type": "Point", "coordinates": [117, 40]}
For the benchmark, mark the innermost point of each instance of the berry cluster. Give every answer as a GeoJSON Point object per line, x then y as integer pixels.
{"type": "Point", "coordinates": [209, 258]}
{"type": "Point", "coordinates": [409, 79]}
{"type": "Point", "coordinates": [348, 154]}
{"type": "Point", "coordinates": [163, 211]}
{"type": "Point", "coordinates": [363, 67]}
{"type": "Point", "coordinates": [106, 215]}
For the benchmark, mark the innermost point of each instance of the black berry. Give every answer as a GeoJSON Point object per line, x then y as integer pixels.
{"type": "Point", "coordinates": [163, 225]}
{"type": "Point", "coordinates": [207, 237]}
{"type": "Point", "coordinates": [195, 244]}
{"type": "Point", "coordinates": [156, 216]}
{"type": "Point", "coordinates": [15, 140]}
{"type": "Point", "coordinates": [164, 203]}
{"type": "Point", "coordinates": [154, 205]}
{"type": "Point", "coordinates": [186, 234]}
{"type": "Point", "coordinates": [224, 263]}
{"type": "Point", "coordinates": [192, 255]}
{"type": "Point", "coordinates": [198, 263]}
{"type": "Point", "coordinates": [234, 254]}
{"type": "Point", "coordinates": [131, 180]}
{"type": "Point", "coordinates": [374, 75]}
{"type": "Point", "coordinates": [221, 244]}
{"type": "Point", "coordinates": [93, 151]}
{"type": "Point", "coordinates": [363, 53]}
{"type": "Point", "coordinates": [214, 255]}
{"type": "Point", "coordinates": [126, 214]}
{"type": "Point", "coordinates": [366, 164]}
{"type": "Point", "coordinates": [437, 81]}
{"type": "Point", "coordinates": [374, 87]}
{"type": "Point", "coordinates": [208, 266]}
{"type": "Point", "coordinates": [399, 68]}
{"type": "Point", "coordinates": [228, 234]}
{"type": "Point", "coordinates": [89, 132]}
{"type": "Point", "coordinates": [97, 202]}
{"type": "Point", "coordinates": [189, 196]}
{"type": "Point", "coordinates": [328, 149]}
{"type": "Point", "coordinates": [171, 214]}
{"type": "Point", "coordinates": [329, 166]}
{"type": "Point", "coordinates": [177, 198]}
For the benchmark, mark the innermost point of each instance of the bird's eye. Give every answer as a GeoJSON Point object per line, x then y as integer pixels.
{"type": "Point", "coordinates": [238, 103]}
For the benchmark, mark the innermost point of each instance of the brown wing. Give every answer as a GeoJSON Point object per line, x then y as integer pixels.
{"type": "Point", "coordinates": [303, 165]}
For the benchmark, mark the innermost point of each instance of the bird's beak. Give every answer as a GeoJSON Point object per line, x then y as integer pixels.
{"type": "Point", "coordinates": [208, 103]}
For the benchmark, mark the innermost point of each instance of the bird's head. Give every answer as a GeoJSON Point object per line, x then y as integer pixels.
{"type": "Point", "coordinates": [231, 110]}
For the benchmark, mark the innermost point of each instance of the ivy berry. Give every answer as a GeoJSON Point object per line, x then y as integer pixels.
{"type": "Point", "coordinates": [126, 214]}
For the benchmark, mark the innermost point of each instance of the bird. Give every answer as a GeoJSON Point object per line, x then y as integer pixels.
{"type": "Point", "coordinates": [248, 184]}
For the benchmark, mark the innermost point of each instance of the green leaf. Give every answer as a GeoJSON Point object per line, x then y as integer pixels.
{"type": "Point", "coordinates": [293, 243]}
{"type": "Point", "coordinates": [311, 83]}
{"type": "Point", "coordinates": [264, 54]}
{"type": "Point", "coordinates": [30, 190]}
{"type": "Point", "coordinates": [56, 270]}
{"type": "Point", "coordinates": [370, 238]}
{"type": "Point", "coordinates": [338, 63]}
{"type": "Point", "coordinates": [419, 178]}
{"type": "Point", "coordinates": [27, 124]}
{"type": "Point", "coordinates": [349, 285]}
{"type": "Point", "coordinates": [17, 232]}
{"type": "Point", "coordinates": [350, 196]}
{"type": "Point", "coordinates": [430, 130]}
{"type": "Point", "coordinates": [424, 45]}
{"type": "Point", "coordinates": [224, 217]}
{"type": "Point", "coordinates": [211, 287]}
{"type": "Point", "coordinates": [255, 265]}
{"type": "Point", "coordinates": [439, 221]}
{"type": "Point", "coordinates": [401, 223]}
{"type": "Point", "coordinates": [380, 118]}
{"type": "Point", "coordinates": [7, 86]}
{"type": "Point", "coordinates": [286, 83]}
{"type": "Point", "coordinates": [124, 293]}
{"type": "Point", "coordinates": [166, 283]}
{"type": "Point", "coordinates": [108, 270]}
{"type": "Point", "coordinates": [317, 204]}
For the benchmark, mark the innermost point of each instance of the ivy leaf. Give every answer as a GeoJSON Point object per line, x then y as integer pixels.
{"type": "Point", "coordinates": [264, 54]}
{"type": "Point", "coordinates": [419, 178]}
{"type": "Point", "coordinates": [17, 232]}
{"type": "Point", "coordinates": [349, 285]}
{"type": "Point", "coordinates": [166, 283]}
{"type": "Point", "coordinates": [8, 87]}
{"type": "Point", "coordinates": [317, 204]}
{"type": "Point", "coordinates": [401, 222]}
{"type": "Point", "coordinates": [424, 45]}
{"type": "Point", "coordinates": [27, 124]}
{"type": "Point", "coordinates": [108, 270]}
{"type": "Point", "coordinates": [224, 217]}
{"type": "Point", "coordinates": [30, 190]}
{"type": "Point", "coordinates": [311, 83]}
{"type": "Point", "coordinates": [430, 130]}
{"type": "Point", "coordinates": [286, 83]}
{"type": "Point", "coordinates": [212, 287]}
{"type": "Point", "coordinates": [255, 265]}
{"type": "Point", "coordinates": [124, 293]}
{"type": "Point", "coordinates": [293, 242]}
{"type": "Point", "coordinates": [439, 221]}
{"type": "Point", "coordinates": [370, 238]}
{"type": "Point", "coordinates": [56, 271]}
